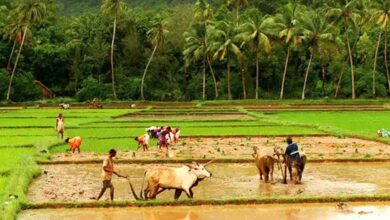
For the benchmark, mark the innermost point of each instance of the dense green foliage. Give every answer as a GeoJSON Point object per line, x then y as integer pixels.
{"type": "Point", "coordinates": [207, 47]}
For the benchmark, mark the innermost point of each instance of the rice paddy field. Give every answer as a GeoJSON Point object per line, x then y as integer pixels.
{"type": "Point", "coordinates": [345, 134]}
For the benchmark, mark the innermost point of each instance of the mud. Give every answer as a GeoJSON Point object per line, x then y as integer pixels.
{"type": "Point", "coordinates": [80, 182]}
{"type": "Point", "coordinates": [282, 212]}
{"type": "Point", "coordinates": [325, 147]}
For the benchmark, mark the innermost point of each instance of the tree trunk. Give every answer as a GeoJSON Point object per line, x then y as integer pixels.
{"type": "Point", "coordinates": [11, 55]}
{"type": "Point", "coordinates": [243, 80]}
{"type": "Point", "coordinates": [352, 70]}
{"type": "Point", "coordinates": [338, 83]}
{"type": "Point", "coordinates": [284, 73]}
{"type": "Point", "coordinates": [257, 75]}
{"type": "Point", "coordinates": [386, 64]}
{"type": "Point", "coordinates": [204, 76]}
{"type": "Point", "coordinates": [214, 79]}
{"type": "Point", "coordinates": [112, 60]}
{"type": "Point", "coordinates": [306, 75]}
{"type": "Point", "coordinates": [237, 15]}
{"type": "Point", "coordinates": [374, 69]}
{"type": "Point", "coordinates": [146, 69]}
{"type": "Point", "coordinates": [228, 76]}
{"type": "Point", "coordinates": [323, 77]}
{"type": "Point", "coordinates": [16, 63]}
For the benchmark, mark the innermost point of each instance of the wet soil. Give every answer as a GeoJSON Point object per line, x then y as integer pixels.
{"type": "Point", "coordinates": [76, 182]}
{"type": "Point", "coordinates": [325, 147]}
{"type": "Point", "coordinates": [331, 211]}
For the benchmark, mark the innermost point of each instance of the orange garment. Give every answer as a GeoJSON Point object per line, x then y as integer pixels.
{"type": "Point", "coordinates": [141, 139]}
{"type": "Point", "coordinates": [74, 143]}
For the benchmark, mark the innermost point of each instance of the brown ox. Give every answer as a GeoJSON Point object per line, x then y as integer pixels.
{"type": "Point", "coordinates": [295, 169]}
{"type": "Point", "coordinates": [264, 163]}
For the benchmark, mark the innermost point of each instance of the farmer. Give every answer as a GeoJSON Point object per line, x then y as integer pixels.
{"type": "Point", "coordinates": [143, 141]}
{"type": "Point", "coordinates": [163, 137]}
{"type": "Point", "coordinates": [107, 171]}
{"type": "Point", "coordinates": [60, 126]}
{"type": "Point", "coordinates": [74, 143]}
{"type": "Point", "coordinates": [292, 153]}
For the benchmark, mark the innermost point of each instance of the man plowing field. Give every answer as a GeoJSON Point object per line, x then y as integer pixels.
{"type": "Point", "coordinates": [107, 171]}
{"type": "Point", "coordinates": [294, 161]}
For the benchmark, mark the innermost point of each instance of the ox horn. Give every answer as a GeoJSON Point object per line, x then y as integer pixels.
{"type": "Point", "coordinates": [209, 162]}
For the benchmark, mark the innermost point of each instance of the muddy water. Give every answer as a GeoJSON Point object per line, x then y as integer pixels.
{"type": "Point", "coordinates": [80, 182]}
{"type": "Point", "coordinates": [282, 212]}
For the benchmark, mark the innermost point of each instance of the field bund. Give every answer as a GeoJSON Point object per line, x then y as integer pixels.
{"type": "Point", "coordinates": [363, 211]}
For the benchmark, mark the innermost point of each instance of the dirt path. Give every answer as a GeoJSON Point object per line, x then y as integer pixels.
{"type": "Point", "coordinates": [242, 147]}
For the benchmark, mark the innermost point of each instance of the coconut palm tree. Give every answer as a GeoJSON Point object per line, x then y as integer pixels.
{"type": "Point", "coordinates": [202, 14]}
{"type": "Point", "coordinates": [221, 37]}
{"type": "Point", "coordinates": [285, 24]}
{"type": "Point", "coordinates": [156, 38]}
{"type": "Point", "coordinates": [345, 15]}
{"type": "Point", "coordinates": [317, 33]}
{"type": "Point", "coordinates": [113, 9]}
{"type": "Point", "coordinates": [28, 14]}
{"type": "Point", "coordinates": [254, 32]}
{"type": "Point", "coordinates": [380, 15]}
{"type": "Point", "coordinates": [13, 32]}
{"type": "Point", "coordinates": [195, 49]}
{"type": "Point", "coordinates": [238, 4]}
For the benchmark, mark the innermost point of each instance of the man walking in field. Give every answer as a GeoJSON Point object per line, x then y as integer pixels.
{"type": "Point", "coordinates": [107, 171]}
{"type": "Point", "coordinates": [74, 143]}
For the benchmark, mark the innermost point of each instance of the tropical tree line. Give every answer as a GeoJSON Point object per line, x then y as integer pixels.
{"type": "Point", "coordinates": [234, 49]}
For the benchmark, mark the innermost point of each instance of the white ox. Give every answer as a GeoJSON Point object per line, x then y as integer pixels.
{"type": "Point", "coordinates": [180, 179]}
{"type": "Point", "coordinates": [64, 106]}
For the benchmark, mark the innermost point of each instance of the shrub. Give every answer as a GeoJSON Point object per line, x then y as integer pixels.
{"type": "Point", "coordinates": [23, 87]}
{"type": "Point", "coordinates": [92, 89]}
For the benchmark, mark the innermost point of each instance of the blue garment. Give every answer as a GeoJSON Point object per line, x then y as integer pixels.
{"type": "Point", "coordinates": [292, 152]}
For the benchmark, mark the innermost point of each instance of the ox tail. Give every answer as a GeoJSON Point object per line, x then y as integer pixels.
{"type": "Point", "coordinates": [142, 187]}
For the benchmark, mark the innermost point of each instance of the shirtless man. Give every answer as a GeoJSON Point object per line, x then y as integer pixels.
{"type": "Point", "coordinates": [107, 171]}
{"type": "Point", "coordinates": [60, 126]}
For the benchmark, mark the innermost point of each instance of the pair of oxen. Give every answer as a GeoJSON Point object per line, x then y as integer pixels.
{"type": "Point", "coordinates": [184, 178]}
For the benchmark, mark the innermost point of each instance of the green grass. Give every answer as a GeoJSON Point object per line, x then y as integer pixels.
{"type": "Point", "coordinates": [145, 124]}
{"type": "Point", "coordinates": [363, 124]}
{"type": "Point", "coordinates": [53, 113]}
{"type": "Point", "coordinates": [9, 157]}
{"type": "Point", "coordinates": [37, 141]}
{"type": "Point", "coordinates": [3, 183]}
{"type": "Point", "coordinates": [103, 145]}
{"type": "Point", "coordinates": [18, 182]}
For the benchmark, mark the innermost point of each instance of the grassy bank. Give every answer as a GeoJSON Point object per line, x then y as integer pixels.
{"type": "Point", "coordinates": [14, 193]}
{"type": "Point", "coordinates": [230, 201]}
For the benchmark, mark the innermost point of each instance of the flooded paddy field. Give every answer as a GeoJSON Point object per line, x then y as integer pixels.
{"type": "Point", "coordinates": [361, 211]}
{"type": "Point", "coordinates": [315, 147]}
{"type": "Point", "coordinates": [80, 182]}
